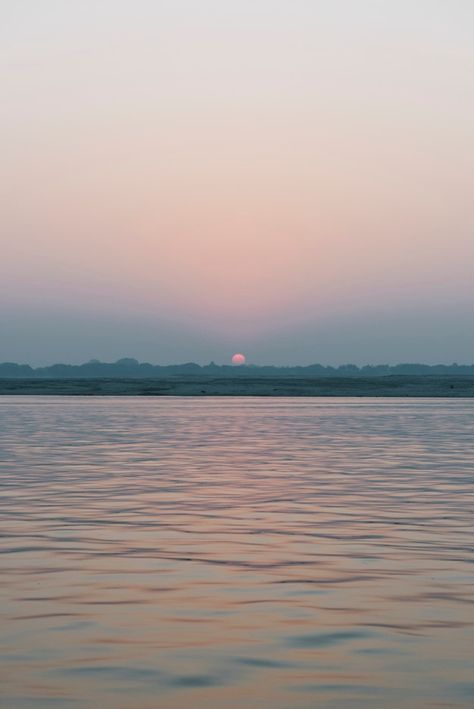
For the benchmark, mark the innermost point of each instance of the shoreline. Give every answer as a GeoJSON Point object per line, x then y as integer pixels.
{"type": "Point", "coordinates": [386, 386]}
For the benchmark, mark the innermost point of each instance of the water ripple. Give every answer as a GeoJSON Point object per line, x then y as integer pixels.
{"type": "Point", "coordinates": [243, 553]}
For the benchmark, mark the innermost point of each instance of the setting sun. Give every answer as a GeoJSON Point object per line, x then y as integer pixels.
{"type": "Point", "coordinates": [238, 358]}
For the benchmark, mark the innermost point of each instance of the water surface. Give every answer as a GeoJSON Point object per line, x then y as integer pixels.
{"type": "Point", "coordinates": [236, 553]}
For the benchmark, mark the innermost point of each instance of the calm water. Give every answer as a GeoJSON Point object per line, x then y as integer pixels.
{"type": "Point", "coordinates": [236, 553]}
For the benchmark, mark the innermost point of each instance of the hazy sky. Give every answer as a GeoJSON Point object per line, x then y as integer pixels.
{"type": "Point", "coordinates": [181, 179]}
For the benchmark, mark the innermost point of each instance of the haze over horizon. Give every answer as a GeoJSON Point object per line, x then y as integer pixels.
{"type": "Point", "coordinates": [183, 180]}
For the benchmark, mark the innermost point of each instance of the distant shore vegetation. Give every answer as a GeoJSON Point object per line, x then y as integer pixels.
{"type": "Point", "coordinates": [132, 368]}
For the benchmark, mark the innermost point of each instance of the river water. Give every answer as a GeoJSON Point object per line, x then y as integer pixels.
{"type": "Point", "coordinates": [236, 553]}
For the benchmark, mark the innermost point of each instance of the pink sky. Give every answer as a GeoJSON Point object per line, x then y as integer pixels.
{"type": "Point", "coordinates": [240, 168]}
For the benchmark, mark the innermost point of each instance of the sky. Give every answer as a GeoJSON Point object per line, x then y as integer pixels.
{"type": "Point", "coordinates": [184, 179]}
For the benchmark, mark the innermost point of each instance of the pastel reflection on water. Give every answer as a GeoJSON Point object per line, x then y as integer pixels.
{"type": "Point", "coordinates": [236, 552]}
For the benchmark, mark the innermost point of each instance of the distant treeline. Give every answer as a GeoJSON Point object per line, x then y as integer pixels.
{"type": "Point", "coordinates": [131, 368]}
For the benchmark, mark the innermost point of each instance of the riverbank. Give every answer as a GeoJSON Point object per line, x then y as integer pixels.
{"type": "Point", "coordinates": [388, 386]}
